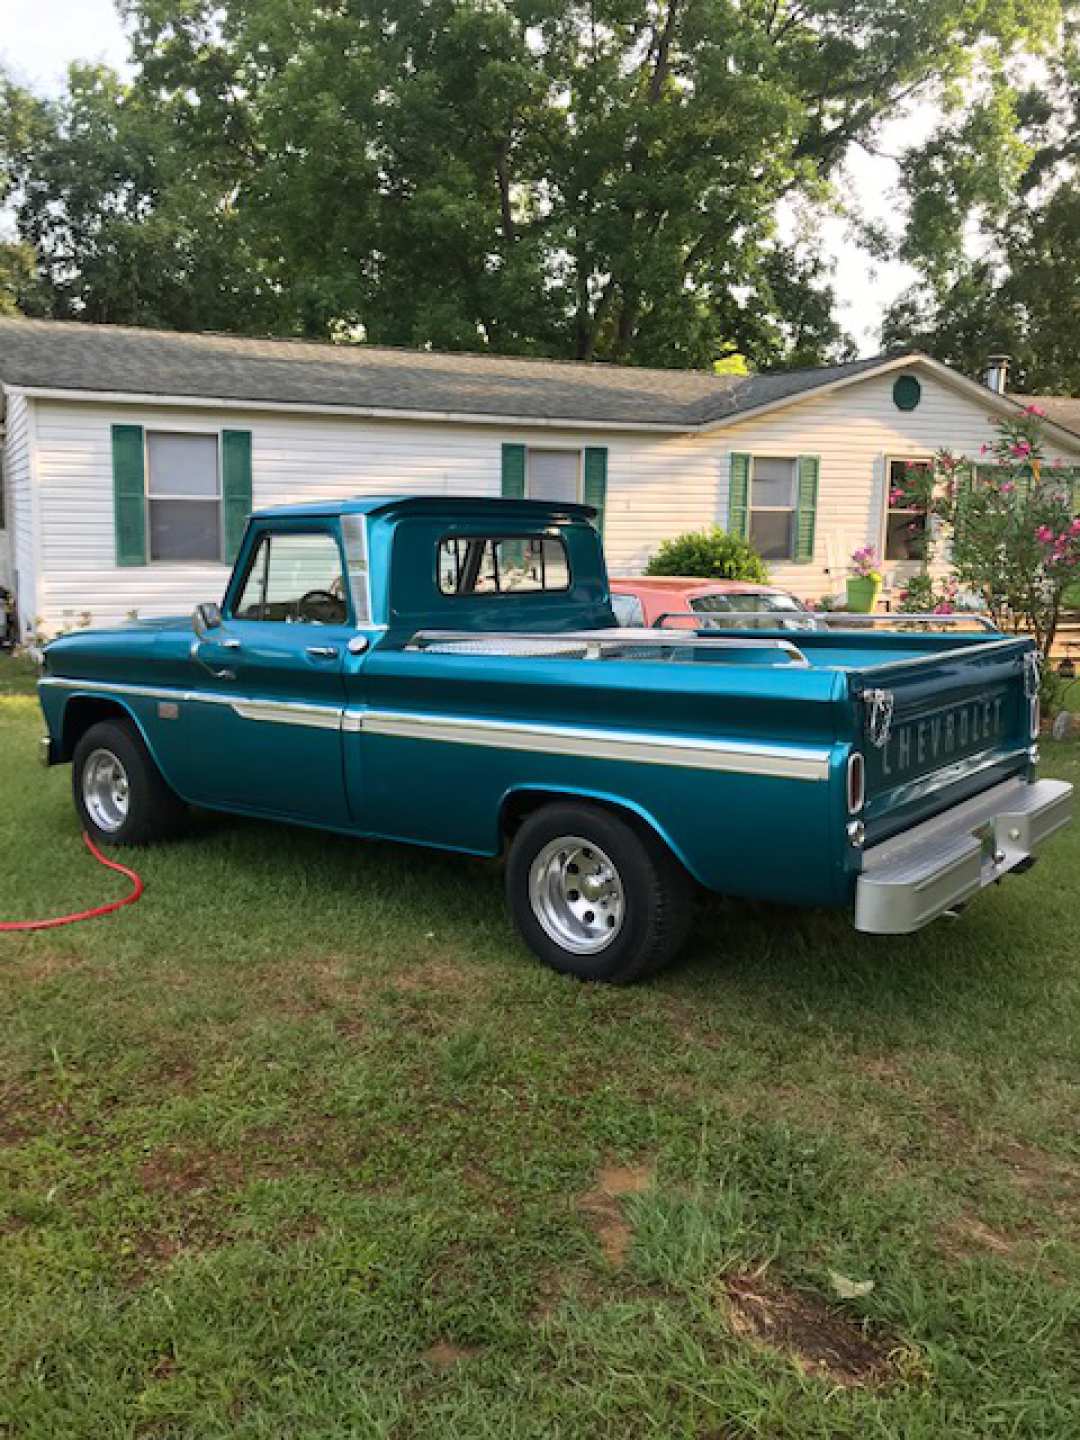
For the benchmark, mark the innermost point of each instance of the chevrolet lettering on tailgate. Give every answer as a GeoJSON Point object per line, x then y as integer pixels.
{"type": "Point", "coordinates": [917, 745]}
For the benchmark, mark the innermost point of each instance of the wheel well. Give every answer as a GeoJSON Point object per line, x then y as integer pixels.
{"type": "Point", "coordinates": [520, 804]}
{"type": "Point", "coordinates": [82, 712]}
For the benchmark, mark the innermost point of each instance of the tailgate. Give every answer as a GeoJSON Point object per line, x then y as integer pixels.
{"type": "Point", "coordinates": [939, 728]}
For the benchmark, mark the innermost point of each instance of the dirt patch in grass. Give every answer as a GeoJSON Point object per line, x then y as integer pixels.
{"type": "Point", "coordinates": [1031, 1169]}
{"type": "Point", "coordinates": [438, 977]}
{"type": "Point", "coordinates": [968, 1236]}
{"type": "Point", "coordinates": [601, 1207]}
{"type": "Point", "coordinates": [444, 1356]}
{"type": "Point", "coordinates": [802, 1327]}
{"type": "Point", "coordinates": [38, 968]}
{"type": "Point", "coordinates": [189, 1172]}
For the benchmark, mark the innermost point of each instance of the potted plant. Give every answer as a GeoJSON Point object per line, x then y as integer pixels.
{"type": "Point", "coordinates": [864, 587]}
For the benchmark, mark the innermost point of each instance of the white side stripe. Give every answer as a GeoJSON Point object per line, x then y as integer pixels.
{"type": "Point", "coordinates": [744, 758]}
{"type": "Point", "coordinates": [783, 762]}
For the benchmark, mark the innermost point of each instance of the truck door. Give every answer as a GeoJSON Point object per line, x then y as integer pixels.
{"type": "Point", "coordinates": [266, 734]}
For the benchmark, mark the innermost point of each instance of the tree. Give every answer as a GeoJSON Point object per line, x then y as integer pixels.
{"type": "Point", "coordinates": [1004, 174]}
{"type": "Point", "coordinates": [542, 176]}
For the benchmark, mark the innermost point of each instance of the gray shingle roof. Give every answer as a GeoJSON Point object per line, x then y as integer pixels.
{"type": "Point", "coordinates": [1063, 410]}
{"type": "Point", "coordinates": [65, 355]}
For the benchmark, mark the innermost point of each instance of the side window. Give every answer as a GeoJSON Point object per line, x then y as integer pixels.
{"type": "Point", "coordinates": [554, 475]}
{"type": "Point", "coordinates": [772, 507]}
{"type": "Point", "coordinates": [628, 609]}
{"type": "Point", "coordinates": [905, 528]}
{"type": "Point", "coordinates": [502, 565]}
{"type": "Point", "coordinates": [183, 496]}
{"type": "Point", "coordinates": [295, 578]}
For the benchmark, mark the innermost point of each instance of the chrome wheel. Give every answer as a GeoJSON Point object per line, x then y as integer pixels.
{"type": "Point", "coordinates": [577, 895]}
{"type": "Point", "coordinates": [105, 790]}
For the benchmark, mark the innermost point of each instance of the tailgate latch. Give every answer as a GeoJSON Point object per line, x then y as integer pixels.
{"type": "Point", "coordinates": [879, 716]}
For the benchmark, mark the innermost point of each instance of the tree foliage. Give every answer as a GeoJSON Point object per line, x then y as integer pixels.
{"type": "Point", "coordinates": [993, 226]}
{"type": "Point", "coordinates": [537, 176]}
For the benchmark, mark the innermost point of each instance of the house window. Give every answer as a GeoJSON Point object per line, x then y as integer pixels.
{"type": "Point", "coordinates": [183, 496]}
{"type": "Point", "coordinates": [554, 475]}
{"type": "Point", "coordinates": [905, 528]}
{"type": "Point", "coordinates": [772, 506]}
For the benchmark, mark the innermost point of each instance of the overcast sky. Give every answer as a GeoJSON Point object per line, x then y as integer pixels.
{"type": "Point", "coordinates": [40, 38]}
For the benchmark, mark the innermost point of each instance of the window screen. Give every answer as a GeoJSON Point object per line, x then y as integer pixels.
{"type": "Point", "coordinates": [772, 506]}
{"type": "Point", "coordinates": [554, 475]}
{"type": "Point", "coordinates": [502, 565]}
{"type": "Point", "coordinates": [183, 490]}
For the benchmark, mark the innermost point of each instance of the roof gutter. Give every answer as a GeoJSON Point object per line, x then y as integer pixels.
{"type": "Point", "coordinates": [360, 412]}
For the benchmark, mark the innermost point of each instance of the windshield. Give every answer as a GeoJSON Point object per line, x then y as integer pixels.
{"type": "Point", "coordinates": [725, 603]}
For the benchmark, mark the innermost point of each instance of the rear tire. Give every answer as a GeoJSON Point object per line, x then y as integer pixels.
{"type": "Point", "coordinates": [597, 896]}
{"type": "Point", "coordinates": [120, 794]}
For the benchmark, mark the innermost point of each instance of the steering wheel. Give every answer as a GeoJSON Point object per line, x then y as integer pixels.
{"type": "Point", "coordinates": [322, 607]}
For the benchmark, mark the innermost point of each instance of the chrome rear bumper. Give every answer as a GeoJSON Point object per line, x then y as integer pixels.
{"type": "Point", "coordinates": [913, 878]}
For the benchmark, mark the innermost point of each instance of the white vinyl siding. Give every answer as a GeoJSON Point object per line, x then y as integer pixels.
{"type": "Point", "coordinates": [657, 486]}
{"type": "Point", "coordinates": [20, 543]}
{"type": "Point", "coordinates": [855, 431]}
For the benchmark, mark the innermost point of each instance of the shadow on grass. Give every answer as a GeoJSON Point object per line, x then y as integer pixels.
{"type": "Point", "coordinates": [777, 963]}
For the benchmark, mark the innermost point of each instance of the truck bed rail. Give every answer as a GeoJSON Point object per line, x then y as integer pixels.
{"type": "Point", "coordinates": [615, 644]}
{"type": "Point", "coordinates": [822, 620]}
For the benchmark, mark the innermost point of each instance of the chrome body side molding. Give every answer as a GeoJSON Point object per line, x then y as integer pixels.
{"type": "Point", "coordinates": [745, 758]}
{"type": "Point", "coordinates": [783, 762]}
{"type": "Point", "coordinates": [278, 712]}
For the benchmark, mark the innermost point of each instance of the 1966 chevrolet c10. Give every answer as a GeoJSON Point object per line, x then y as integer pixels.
{"type": "Point", "coordinates": [449, 672]}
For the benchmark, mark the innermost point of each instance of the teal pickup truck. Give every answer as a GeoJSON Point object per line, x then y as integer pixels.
{"type": "Point", "coordinates": [449, 672]}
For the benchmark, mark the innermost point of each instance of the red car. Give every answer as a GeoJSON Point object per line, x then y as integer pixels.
{"type": "Point", "coordinates": [646, 599]}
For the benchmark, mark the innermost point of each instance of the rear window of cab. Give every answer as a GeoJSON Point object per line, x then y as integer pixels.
{"type": "Point", "coordinates": [502, 565]}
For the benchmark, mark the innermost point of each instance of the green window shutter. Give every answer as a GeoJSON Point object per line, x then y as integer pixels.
{"type": "Point", "coordinates": [806, 508]}
{"type": "Point", "coordinates": [513, 472]}
{"type": "Point", "coordinates": [1076, 491]}
{"type": "Point", "coordinates": [738, 515]}
{"type": "Point", "coordinates": [594, 481]}
{"type": "Point", "coordinates": [235, 487]}
{"type": "Point", "coordinates": [129, 494]}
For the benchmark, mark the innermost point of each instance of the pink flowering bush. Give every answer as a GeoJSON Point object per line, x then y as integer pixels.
{"type": "Point", "coordinates": [1014, 526]}
{"type": "Point", "coordinates": [1016, 534]}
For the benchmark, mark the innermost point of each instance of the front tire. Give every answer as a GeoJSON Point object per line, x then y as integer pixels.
{"type": "Point", "coordinates": [597, 896]}
{"type": "Point", "coordinates": [120, 794]}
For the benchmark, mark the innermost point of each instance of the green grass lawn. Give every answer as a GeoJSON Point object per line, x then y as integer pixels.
{"type": "Point", "coordinates": [305, 1144]}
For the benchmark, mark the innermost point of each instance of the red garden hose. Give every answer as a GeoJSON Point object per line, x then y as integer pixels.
{"type": "Point", "coordinates": [137, 890]}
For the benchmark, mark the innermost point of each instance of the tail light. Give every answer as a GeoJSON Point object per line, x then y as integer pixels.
{"type": "Point", "coordinates": [856, 782]}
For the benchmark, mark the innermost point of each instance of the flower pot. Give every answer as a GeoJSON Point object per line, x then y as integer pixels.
{"type": "Point", "coordinates": [862, 593]}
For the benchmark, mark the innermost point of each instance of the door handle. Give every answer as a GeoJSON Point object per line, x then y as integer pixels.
{"type": "Point", "coordinates": [230, 644]}
{"type": "Point", "coordinates": [322, 652]}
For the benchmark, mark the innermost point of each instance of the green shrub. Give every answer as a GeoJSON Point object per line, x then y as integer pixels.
{"type": "Point", "coordinates": [711, 554]}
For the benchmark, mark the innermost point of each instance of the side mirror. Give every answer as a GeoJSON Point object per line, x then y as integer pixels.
{"type": "Point", "coordinates": [207, 617]}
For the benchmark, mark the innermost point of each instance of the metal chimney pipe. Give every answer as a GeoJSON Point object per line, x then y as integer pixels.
{"type": "Point", "coordinates": [996, 374]}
